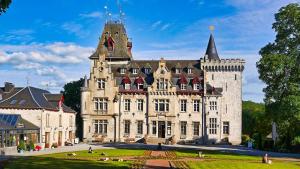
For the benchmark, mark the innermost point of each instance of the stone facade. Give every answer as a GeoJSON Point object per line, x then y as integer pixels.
{"type": "Point", "coordinates": [186, 100]}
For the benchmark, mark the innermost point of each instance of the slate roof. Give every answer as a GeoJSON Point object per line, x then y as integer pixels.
{"type": "Point", "coordinates": [32, 98]}
{"type": "Point", "coordinates": [211, 50]}
{"type": "Point", "coordinates": [15, 121]}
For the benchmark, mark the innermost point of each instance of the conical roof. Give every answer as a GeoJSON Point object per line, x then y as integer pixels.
{"type": "Point", "coordinates": [211, 50]}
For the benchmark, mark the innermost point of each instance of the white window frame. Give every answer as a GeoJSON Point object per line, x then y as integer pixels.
{"type": "Point", "coordinates": [127, 105]}
{"type": "Point", "coordinates": [162, 84]}
{"type": "Point", "coordinates": [183, 86]}
{"type": "Point", "coordinates": [140, 105]}
{"type": "Point", "coordinates": [177, 71]}
{"type": "Point", "coordinates": [134, 71]}
{"type": "Point", "coordinates": [101, 83]}
{"type": "Point", "coordinates": [122, 71]}
{"type": "Point", "coordinates": [127, 86]}
{"type": "Point", "coordinates": [213, 105]}
{"type": "Point", "coordinates": [196, 105]}
{"type": "Point", "coordinates": [162, 105]}
{"type": "Point", "coordinates": [100, 127]}
{"type": "Point", "coordinates": [101, 104]}
{"type": "Point", "coordinates": [212, 125]}
{"type": "Point", "coordinates": [189, 70]}
{"type": "Point", "coordinates": [196, 86]}
{"type": "Point", "coordinates": [140, 86]}
{"type": "Point", "coordinates": [140, 124]}
{"type": "Point", "coordinates": [183, 105]}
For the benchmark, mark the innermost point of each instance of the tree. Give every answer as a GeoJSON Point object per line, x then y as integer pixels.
{"type": "Point", "coordinates": [72, 97]}
{"type": "Point", "coordinates": [279, 69]}
{"type": "Point", "coordinates": [4, 4]}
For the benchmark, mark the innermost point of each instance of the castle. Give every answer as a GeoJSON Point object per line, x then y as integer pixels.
{"type": "Point", "coordinates": [123, 99]}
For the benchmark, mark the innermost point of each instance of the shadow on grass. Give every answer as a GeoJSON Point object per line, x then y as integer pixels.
{"type": "Point", "coordinates": [57, 163]}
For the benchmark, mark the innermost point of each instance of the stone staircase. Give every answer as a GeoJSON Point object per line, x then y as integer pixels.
{"type": "Point", "coordinates": [155, 140]}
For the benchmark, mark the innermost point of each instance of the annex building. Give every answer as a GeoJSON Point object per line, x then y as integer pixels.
{"type": "Point", "coordinates": [186, 100]}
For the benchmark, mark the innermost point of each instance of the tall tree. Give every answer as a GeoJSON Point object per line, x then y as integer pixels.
{"type": "Point", "coordinates": [72, 97]}
{"type": "Point", "coordinates": [279, 69]}
{"type": "Point", "coordinates": [4, 4]}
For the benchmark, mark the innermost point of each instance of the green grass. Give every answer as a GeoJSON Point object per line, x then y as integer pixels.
{"type": "Point", "coordinates": [83, 159]}
{"type": "Point", "coordinates": [242, 164]}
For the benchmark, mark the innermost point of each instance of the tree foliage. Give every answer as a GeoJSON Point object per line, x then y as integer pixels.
{"type": "Point", "coordinates": [279, 68]}
{"type": "Point", "coordinates": [72, 97]}
{"type": "Point", "coordinates": [4, 4]}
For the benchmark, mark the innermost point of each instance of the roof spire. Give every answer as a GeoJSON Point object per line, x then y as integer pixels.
{"type": "Point", "coordinates": [211, 50]}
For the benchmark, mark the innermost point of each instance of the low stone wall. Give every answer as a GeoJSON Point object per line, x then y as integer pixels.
{"type": "Point", "coordinates": [8, 150]}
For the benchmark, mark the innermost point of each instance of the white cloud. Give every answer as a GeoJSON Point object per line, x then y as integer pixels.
{"type": "Point", "coordinates": [95, 14]}
{"type": "Point", "coordinates": [75, 28]}
{"type": "Point", "coordinates": [155, 24]}
{"type": "Point", "coordinates": [18, 35]}
{"type": "Point", "coordinates": [165, 26]}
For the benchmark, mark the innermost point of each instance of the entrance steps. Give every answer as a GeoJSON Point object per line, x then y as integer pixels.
{"type": "Point", "coordinates": [155, 140]}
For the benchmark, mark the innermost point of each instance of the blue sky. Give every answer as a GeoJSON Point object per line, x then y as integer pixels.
{"type": "Point", "coordinates": [47, 43]}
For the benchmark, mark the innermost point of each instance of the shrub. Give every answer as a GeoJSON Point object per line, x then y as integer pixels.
{"type": "Point", "coordinates": [245, 139]}
{"type": "Point", "coordinates": [296, 141]}
{"type": "Point", "coordinates": [22, 145]}
{"type": "Point", "coordinates": [31, 146]}
{"type": "Point", "coordinates": [54, 145]}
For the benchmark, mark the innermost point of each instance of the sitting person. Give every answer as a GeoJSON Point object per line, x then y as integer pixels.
{"type": "Point", "coordinates": [266, 160]}
{"type": "Point", "coordinates": [90, 150]}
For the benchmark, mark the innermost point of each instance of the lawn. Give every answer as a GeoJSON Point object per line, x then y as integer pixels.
{"type": "Point", "coordinates": [83, 159]}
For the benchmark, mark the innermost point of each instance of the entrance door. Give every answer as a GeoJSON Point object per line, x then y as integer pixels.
{"type": "Point", "coordinates": [161, 129]}
{"type": "Point", "coordinates": [47, 140]}
{"type": "Point", "coordinates": [70, 135]}
{"type": "Point", "coordinates": [59, 138]}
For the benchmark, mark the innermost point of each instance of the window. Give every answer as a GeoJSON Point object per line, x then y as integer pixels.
{"type": "Point", "coordinates": [161, 105]}
{"type": "Point", "coordinates": [140, 86]}
{"type": "Point", "coordinates": [140, 127]}
{"type": "Point", "coordinates": [189, 70]}
{"type": "Point", "coordinates": [70, 121]}
{"type": "Point", "coordinates": [196, 105]}
{"type": "Point", "coordinates": [154, 127]}
{"type": "Point", "coordinates": [212, 125]}
{"type": "Point", "coordinates": [140, 104]}
{"type": "Point", "coordinates": [147, 70]}
{"type": "Point", "coordinates": [47, 120]}
{"type": "Point", "coordinates": [134, 71]}
{"type": "Point", "coordinates": [235, 77]}
{"type": "Point", "coordinates": [60, 120]}
{"type": "Point", "coordinates": [183, 128]}
{"type": "Point", "coordinates": [196, 128]}
{"type": "Point", "coordinates": [127, 86]}
{"type": "Point", "coordinates": [213, 105]}
{"type": "Point", "coordinates": [183, 86]}
{"type": "Point", "coordinates": [162, 84]}
{"type": "Point", "coordinates": [225, 127]}
{"type": "Point", "coordinates": [127, 105]}
{"type": "Point", "coordinates": [177, 70]}
{"type": "Point", "coordinates": [101, 83]}
{"type": "Point", "coordinates": [100, 104]}
{"type": "Point", "coordinates": [100, 126]}
{"type": "Point", "coordinates": [183, 105]}
{"type": "Point", "coordinates": [122, 70]}
{"type": "Point", "coordinates": [196, 86]}
{"type": "Point", "coordinates": [127, 127]}
{"type": "Point", "coordinates": [169, 124]}
{"type": "Point", "coordinates": [212, 77]}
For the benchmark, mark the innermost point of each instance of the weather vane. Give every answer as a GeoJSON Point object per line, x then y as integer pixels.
{"type": "Point", "coordinates": [211, 28]}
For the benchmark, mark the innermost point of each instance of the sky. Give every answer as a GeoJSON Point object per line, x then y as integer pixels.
{"type": "Point", "coordinates": [47, 43]}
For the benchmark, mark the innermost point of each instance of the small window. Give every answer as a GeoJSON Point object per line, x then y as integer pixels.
{"type": "Point", "coordinates": [189, 71]}
{"type": "Point", "coordinates": [134, 71]}
{"type": "Point", "coordinates": [127, 86]}
{"type": "Point", "coordinates": [235, 76]}
{"type": "Point", "coordinates": [183, 86]}
{"type": "Point", "coordinates": [177, 71]}
{"type": "Point", "coordinates": [212, 77]}
{"type": "Point", "coordinates": [122, 70]}
{"type": "Point", "coordinates": [140, 86]}
{"type": "Point", "coordinates": [147, 70]}
{"type": "Point", "coordinates": [213, 105]}
{"type": "Point", "coordinates": [101, 83]}
{"type": "Point", "coordinates": [226, 127]}
{"type": "Point", "coordinates": [196, 86]}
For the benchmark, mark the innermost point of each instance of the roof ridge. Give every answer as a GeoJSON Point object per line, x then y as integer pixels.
{"type": "Point", "coordinates": [33, 97]}
{"type": "Point", "coordinates": [13, 95]}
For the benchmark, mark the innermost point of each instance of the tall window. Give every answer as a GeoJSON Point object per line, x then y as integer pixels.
{"type": "Point", "coordinates": [183, 128]}
{"type": "Point", "coordinates": [225, 127]}
{"type": "Point", "coordinates": [213, 105]}
{"type": "Point", "coordinates": [183, 105]}
{"type": "Point", "coordinates": [212, 125]}
{"type": "Point", "coordinates": [47, 120]}
{"type": "Point", "coordinates": [140, 127]}
{"type": "Point", "coordinates": [127, 105]}
{"type": "Point", "coordinates": [196, 86]}
{"type": "Point", "coordinates": [196, 128]}
{"type": "Point", "coordinates": [212, 77]}
{"type": "Point", "coordinates": [235, 77]}
{"type": "Point", "coordinates": [100, 126]}
{"type": "Point", "coordinates": [161, 105]}
{"type": "Point", "coordinates": [60, 120]}
{"type": "Point", "coordinates": [162, 84]}
{"type": "Point", "coordinates": [101, 83]}
{"type": "Point", "coordinates": [154, 127]}
{"type": "Point", "coordinates": [196, 105]}
{"type": "Point", "coordinates": [183, 86]}
{"type": "Point", "coordinates": [140, 104]}
{"type": "Point", "coordinates": [169, 124]}
{"type": "Point", "coordinates": [127, 127]}
{"type": "Point", "coordinates": [101, 104]}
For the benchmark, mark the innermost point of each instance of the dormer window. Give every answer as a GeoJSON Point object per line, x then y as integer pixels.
{"type": "Point", "coordinates": [177, 71]}
{"type": "Point", "coordinates": [134, 71]}
{"type": "Point", "coordinates": [183, 86]}
{"type": "Point", "coordinates": [126, 82]}
{"type": "Point", "coordinates": [140, 86]}
{"type": "Point", "coordinates": [139, 83]}
{"type": "Point", "coordinates": [127, 86]}
{"type": "Point", "coordinates": [147, 71]}
{"type": "Point", "coordinates": [162, 84]}
{"type": "Point", "coordinates": [122, 70]}
{"type": "Point", "coordinates": [196, 86]}
{"type": "Point", "coordinates": [196, 83]}
{"type": "Point", "coordinates": [189, 71]}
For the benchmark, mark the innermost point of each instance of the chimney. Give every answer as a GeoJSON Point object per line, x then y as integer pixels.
{"type": "Point", "coordinates": [8, 87]}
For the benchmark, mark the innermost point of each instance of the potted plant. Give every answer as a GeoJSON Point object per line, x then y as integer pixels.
{"type": "Point", "coordinates": [21, 147]}
{"type": "Point", "coordinates": [31, 146]}
{"type": "Point", "coordinates": [38, 148]}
